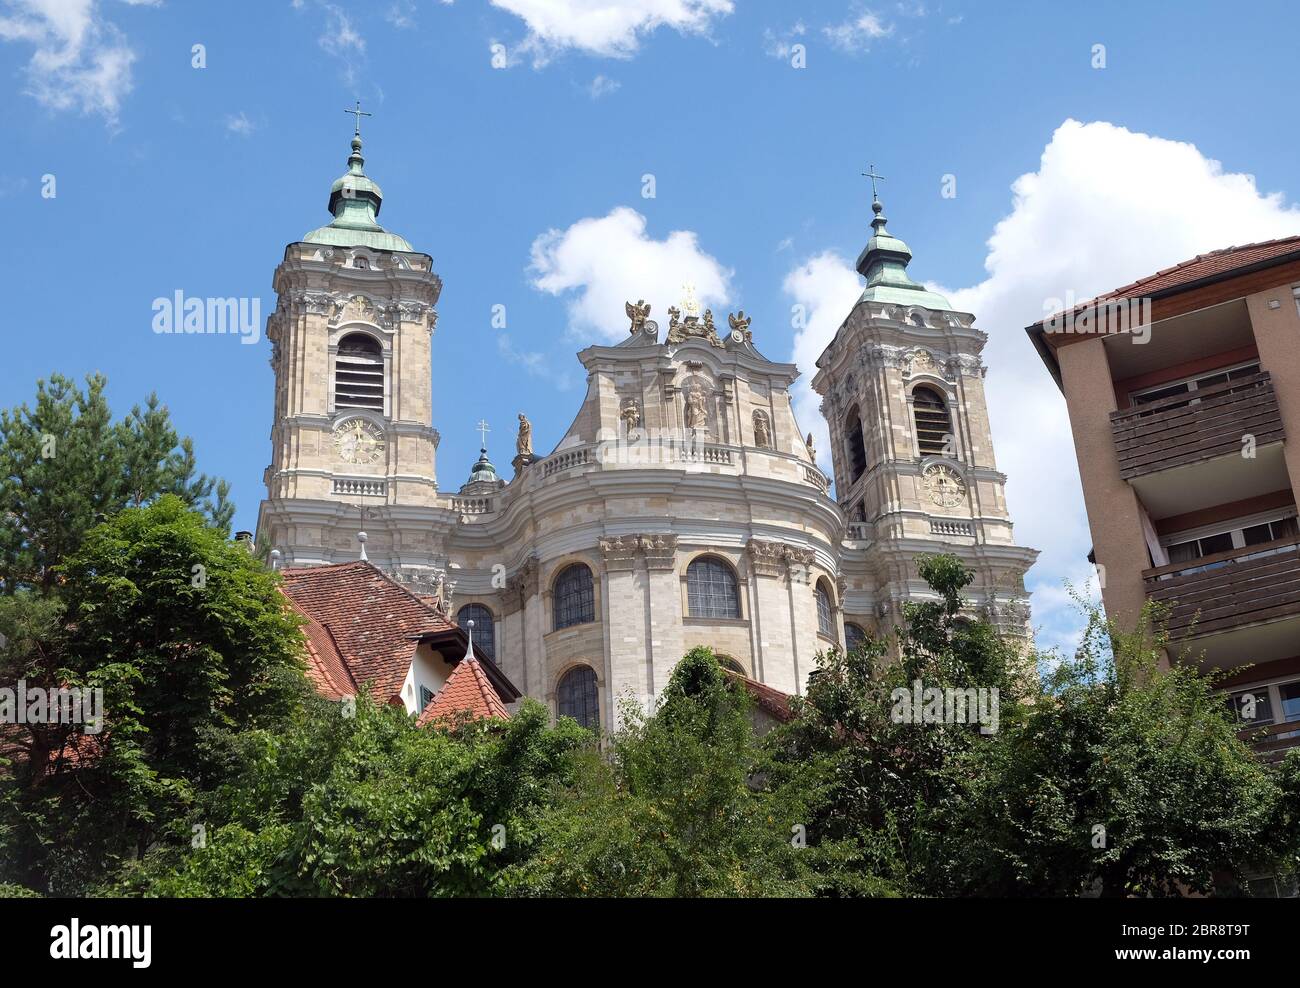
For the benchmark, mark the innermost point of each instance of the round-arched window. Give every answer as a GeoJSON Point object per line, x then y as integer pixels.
{"type": "Point", "coordinates": [577, 696]}
{"type": "Point", "coordinates": [574, 597]}
{"type": "Point", "coordinates": [711, 590]}
{"type": "Point", "coordinates": [484, 630]}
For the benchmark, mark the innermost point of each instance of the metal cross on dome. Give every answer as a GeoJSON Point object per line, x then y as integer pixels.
{"type": "Point", "coordinates": [483, 430]}
{"type": "Point", "coordinates": [871, 174]}
{"type": "Point", "coordinates": [359, 113]}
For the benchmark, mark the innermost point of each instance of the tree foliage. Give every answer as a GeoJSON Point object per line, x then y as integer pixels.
{"type": "Point", "coordinates": [66, 466]}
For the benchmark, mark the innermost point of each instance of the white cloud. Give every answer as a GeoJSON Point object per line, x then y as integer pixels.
{"type": "Point", "coordinates": [826, 287]}
{"type": "Point", "coordinates": [857, 33]}
{"type": "Point", "coordinates": [81, 61]}
{"type": "Point", "coordinates": [610, 260]}
{"type": "Point", "coordinates": [781, 45]}
{"type": "Point", "coordinates": [340, 37]}
{"type": "Point", "coordinates": [239, 124]}
{"type": "Point", "coordinates": [602, 85]}
{"type": "Point", "coordinates": [609, 28]}
{"type": "Point", "coordinates": [1105, 207]}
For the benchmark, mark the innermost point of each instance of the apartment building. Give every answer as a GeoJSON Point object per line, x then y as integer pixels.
{"type": "Point", "coordinates": [1183, 391]}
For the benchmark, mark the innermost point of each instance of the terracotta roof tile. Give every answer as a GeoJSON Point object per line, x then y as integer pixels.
{"type": "Point", "coordinates": [467, 691]}
{"type": "Point", "coordinates": [370, 624]}
{"type": "Point", "coordinates": [770, 699]}
{"type": "Point", "coordinates": [1202, 266]}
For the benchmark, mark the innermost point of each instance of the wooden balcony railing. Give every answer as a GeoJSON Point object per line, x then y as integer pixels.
{"type": "Point", "coordinates": [1203, 425]}
{"type": "Point", "coordinates": [1273, 742]}
{"type": "Point", "coordinates": [1229, 589]}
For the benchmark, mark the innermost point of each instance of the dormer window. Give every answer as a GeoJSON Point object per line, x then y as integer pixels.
{"type": "Point", "coordinates": [362, 262]}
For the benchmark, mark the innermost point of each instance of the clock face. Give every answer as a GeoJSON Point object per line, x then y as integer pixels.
{"type": "Point", "coordinates": [946, 488]}
{"type": "Point", "coordinates": [358, 441]}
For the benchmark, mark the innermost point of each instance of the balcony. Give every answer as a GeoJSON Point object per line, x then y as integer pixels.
{"type": "Point", "coordinates": [1273, 742]}
{"type": "Point", "coordinates": [1182, 454]}
{"type": "Point", "coordinates": [1238, 606]}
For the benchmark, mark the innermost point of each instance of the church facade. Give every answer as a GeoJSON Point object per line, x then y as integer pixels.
{"type": "Point", "coordinates": [683, 506]}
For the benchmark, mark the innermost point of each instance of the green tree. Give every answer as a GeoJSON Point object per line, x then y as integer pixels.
{"type": "Point", "coordinates": [887, 795]}
{"type": "Point", "coordinates": [1128, 779]}
{"type": "Point", "coordinates": [678, 807]}
{"type": "Point", "coordinates": [65, 466]}
{"type": "Point", "coordinates": [191, 642]}
{"type": "Point", "coordinates": [368, 805]}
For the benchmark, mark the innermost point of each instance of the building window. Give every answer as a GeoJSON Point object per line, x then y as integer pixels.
{"type": "Point", "coordinates": [825, 621]}
{"type": "Point", "coordinates": [359, 373]}
{"type": "Point", "coordinates": [426, 696]}
{"type": "Point", "coordinates": [933, 423]}
{"type": "Point", "coordinates": [577, 697]}
{"type": "Point", "coordinates": [711, 590]}
{"type": "Point", "coordinates": [362, 263]}
{"type": "Point", "coordinates": [484, 631]}
{"type": "Point", "coordinates": [854, 636]}
{"type": "Point", "coordinates": [575, 599]}
{"type": "Point", "coordinates": [730, 664]}
{"type": "Point", "coordinates": [857, 448]}
{"type": "Point", "coordinates": [1253, 707]}
{"type": "Point", "coordinates": [1189, 386]}
{"type": "Point", "coordinates": [1237, 536]}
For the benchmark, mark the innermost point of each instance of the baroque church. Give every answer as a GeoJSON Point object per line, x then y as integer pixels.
{"type": "Point", "coordinates": [682, 507]}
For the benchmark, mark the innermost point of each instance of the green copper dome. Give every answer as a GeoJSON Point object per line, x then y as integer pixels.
{"type": "Point", "coordinates": [484, 471]}
{"type": "Point", "coordinates": [883, 262]}
{"type": "Point", "coordinates": [355, 201]}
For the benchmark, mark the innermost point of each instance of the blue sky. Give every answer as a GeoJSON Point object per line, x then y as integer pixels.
{"type": "Point", "coordinates": [524, 182]}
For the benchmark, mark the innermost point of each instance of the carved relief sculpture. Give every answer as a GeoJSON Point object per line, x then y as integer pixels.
{"type": "Point", "coordinates": [739, 323]}
{"type": "Point", "coordinates": [762, 431]}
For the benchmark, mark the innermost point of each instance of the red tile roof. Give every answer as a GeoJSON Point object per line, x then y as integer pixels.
{"type": "Point", "coordinates": [770, 699]}
{"type": "Point", "coordinates": [1200, 267]}
{"type": "Point", "coordinates": [371, 624]}
{"type": "Point", "coordinates": [467, 691]}
{"type": "Point", "coordinates": [361, 627]}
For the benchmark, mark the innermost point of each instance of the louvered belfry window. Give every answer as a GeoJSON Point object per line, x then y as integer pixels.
{"type": "Point", "coordinates": [933, 423]}
{"type": "Point", "coordinates": [359, 373]}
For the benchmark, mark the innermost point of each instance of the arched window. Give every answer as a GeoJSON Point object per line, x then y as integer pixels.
{"type": "Point", "coordinates": [857, 449]}
{"type": "Point", "coordinates": [575, 600]}
{"type": "Point", "coordinates": [727, 662]}
{"type": "Point", "coordinates": [825, 621]}
{"type": "Point", "coordinates": [711, 589]}
{"type": "Point", "coordinates": [577, 697]}
{"type": "Point", "coordinates": [359, 373]}
{"type": "Point", "coordinates": [484, 632]}
{"type": "Point", "coordinates": [933, 423]}
{"type": "Point", "coordinates": [854, 635]}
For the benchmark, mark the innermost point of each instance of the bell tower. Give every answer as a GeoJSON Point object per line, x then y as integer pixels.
{"type": "Point", "coordinates": [903, 395]}
{"type": "Point", "coordinates": [351, 337]}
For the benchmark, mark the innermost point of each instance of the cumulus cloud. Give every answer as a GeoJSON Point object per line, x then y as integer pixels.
{"type": "Point", "coordinates": [824, 289]}
{"type": "Point", "coordinates": [1105, 206]}
{"type": "Point", "coordinates": [609, 28]}
{"type": "Point", "coordinates": [81, 60]}
{"type": "Point", "coordinates": [602, 262]}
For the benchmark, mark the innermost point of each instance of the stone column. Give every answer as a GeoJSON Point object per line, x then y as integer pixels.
{"type": "Point", "coordinates": [771, 597]}
{"type": "Point", "coordinates": [665, 608]}
{"type": "Point", "coordinates": [627, 624]}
